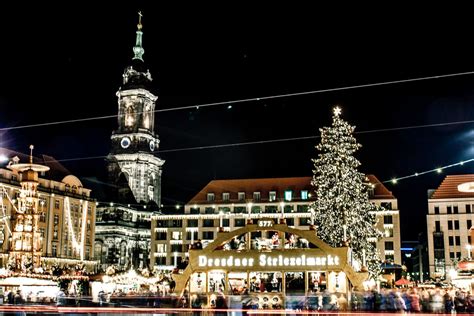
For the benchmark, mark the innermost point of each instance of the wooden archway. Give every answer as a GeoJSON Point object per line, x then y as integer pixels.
{"type": "Point", "coordinates": [356, 278]}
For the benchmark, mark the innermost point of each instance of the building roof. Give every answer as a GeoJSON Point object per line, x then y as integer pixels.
{"type": "Point", "coordinates": [56, 172]}
{"type": "Point", "coordinates": [249, 186]}
{"type": "Point", "coordinates": [380, 190]}
{"type": "Point", "coordinates": [449, 187]}
{"type": "Point", "coordinates": [265, 185]}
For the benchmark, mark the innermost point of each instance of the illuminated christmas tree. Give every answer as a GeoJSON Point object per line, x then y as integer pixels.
{"type": "Point", "coordinates": [342, 210]}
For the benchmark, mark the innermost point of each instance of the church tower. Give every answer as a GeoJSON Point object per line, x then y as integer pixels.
{"type": "Point", "coordinates": [132, 164]}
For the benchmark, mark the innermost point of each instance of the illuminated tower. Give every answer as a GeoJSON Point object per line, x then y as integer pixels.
{"type": "Point", "coordinates": [25, 240]}
{"type": "Point", "coordinates": [132, 159]}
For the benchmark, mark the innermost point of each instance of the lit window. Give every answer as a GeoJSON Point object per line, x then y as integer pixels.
{"type": "Point", "coordinates": [288, 195]}
{"type": "Point", "coordinates": [272, 196]}
{"type": "Point", "coordinates": [304, 194]}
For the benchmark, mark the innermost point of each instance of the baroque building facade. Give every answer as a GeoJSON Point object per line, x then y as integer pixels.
{"type": "Point", "coordinates": [134, 170]}
{"type": "Point", "coordinates": [48, 217]}
{"type": "Point", "coordinates": [228, 204]}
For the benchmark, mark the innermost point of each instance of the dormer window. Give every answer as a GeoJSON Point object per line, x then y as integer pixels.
{"type": "Point", "coordinates": [256, 196]}
{"type": "Point", "coordinates": [288, 195]}
{"type": "Point", "coordinates": [211, 197]}
{"type": "Point", "coordinates": [272, 196]}
{"type": "Point", "coordinates": [226, 196]}
{"type": "Point", "coordinates": [241, 196]}
{"type": "Point", "coordinates": [304, 194]}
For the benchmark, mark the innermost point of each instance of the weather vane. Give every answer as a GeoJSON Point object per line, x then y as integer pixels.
{"type": "Point", "coordinates": [139, 20]}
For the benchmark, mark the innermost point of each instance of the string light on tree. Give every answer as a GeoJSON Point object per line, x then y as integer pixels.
{"type": "Point", "coordinates": [343, 211]}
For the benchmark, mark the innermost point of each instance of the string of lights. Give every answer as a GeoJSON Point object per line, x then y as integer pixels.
{"type": "Point", "coordinates": [246, 100]}
{"type": "Point", "coordinates": [260, 142]}
{"type": "Point", "coordinates": [437, 170]}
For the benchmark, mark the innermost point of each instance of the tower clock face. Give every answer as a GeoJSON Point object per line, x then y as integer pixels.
{"type": "Point", "coordinates": [152, 145]}
{"type": "Point", "coordinates": [125, 142]}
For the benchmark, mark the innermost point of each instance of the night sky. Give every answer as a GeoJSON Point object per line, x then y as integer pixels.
{"type": "Point", "coordinates": [62, 63]}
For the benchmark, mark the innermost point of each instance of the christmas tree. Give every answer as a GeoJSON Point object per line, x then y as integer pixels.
{"type": "Point", "coordinates": [342, 210]}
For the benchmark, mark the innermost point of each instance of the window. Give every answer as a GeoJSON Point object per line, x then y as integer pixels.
{"type": "Point", "coordinates": [226, 196]}
{"type": "Point", "coordinates": [54, 251]}
{"type": "Point", "coordinates": [56, 204]}
{"type": "Point", "coordinates": [469, 224]}
{"type": "Point", "coordinates": [456, 224]}
{"type": "Point", "coordinates": [256, 196]}
{"type": "Point", "coordinates": [437, 226]}
{"type": "Point", "coordinates": [195, 210]}
{"type": "Point", "coordinates": [176, 235]}
{"type": "Point", "coordinates": [457, 239]}
{"type": "Point", "coordinates": [207, 235]}
{"type": "Point", "coordinates": [161, 236]}
{"type": "Point", "coordinates": [56, 219]}
{"type": "Point", "coordinates": [272, 196]}
{"type": "Point", "coordinates": [211, 197]}
{"type": "Point", "coordinates": [388, 232]}
{"type": "Point", "coordinates": [288, 195]}
{"type": "Point", "coordinates": [192, 223]}
{"type": "Point", "coordinates": [161, 261]}
{"type": "Point", "coordinates": [209, 210]}
{"type": "Point", "coordinates": [43, 217]}
{"type": "Point", "coordinates": [241, 196]}
{"type": "Point", "coordinates": [455, 209]}
{"type": "Point", "coordinates": [225, 222]}
{"type": "Point", "coordinates": [389, 245]}
{"type": "Point", "coordinates": [176, 248]}
{"type": "Point", "coordinates": [177, 223]}
{"type": "Point", "coordinates": [290, 221]}
{"type": "Point", "coordinates": [386, 205]}
{"type": "Point", "coordinates": [194, 237]}
{"type": "Point", "coordinates": [468, 208]}
{"type": "Point", "coordinates": [55, 232]}
{"type": "Point", "coordinates": [239, 222]}
{"type": "Point", "coordinates": [436, 209]}
{"type": "Point", "coordinates": [271, 209]}
{"type": "Point", "coordinates": [469, 240]}
{"type": "Point", "coordinates": [304, 221]}
{"type": "Point", "coordinates": [451, 255]}
{"type": "Point", "coordinates": [239, 209]}
{"type": "Point", "coordinates": [304, 194]}
{"type": "Point", "coordinates": [387, 219]}
{"type": "Point", "coordinates": [450, 225]}
{"type": "Point", "coordinates": [208, 223]}
{"type": "Point", "coordinates": [449, 209]}
{"type": "Point", "coordinates": [67, 187]}
{"type": "Point", "coordinates": [451, 240]}
{"type": "Point", "coordinates": [458, 255]}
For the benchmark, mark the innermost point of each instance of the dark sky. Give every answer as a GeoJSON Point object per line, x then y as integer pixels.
{"type": "Point", "coordinates": [62, 63]}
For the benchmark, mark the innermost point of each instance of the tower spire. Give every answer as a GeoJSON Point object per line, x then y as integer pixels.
{"type": "Point", "coordinates": [138, 49]}
{"type": "Point", "coordinates": [31, 153]}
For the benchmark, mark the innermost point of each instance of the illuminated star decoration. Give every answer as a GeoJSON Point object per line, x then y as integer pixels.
{"type": "Point", "coordinates": [337, 111]}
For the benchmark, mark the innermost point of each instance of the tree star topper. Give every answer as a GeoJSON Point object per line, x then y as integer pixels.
{"type": "Point", "coordinates": [337, 111]}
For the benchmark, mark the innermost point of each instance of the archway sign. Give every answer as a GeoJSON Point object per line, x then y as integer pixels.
{"type": "Point", "coordinates": [320, 256]}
